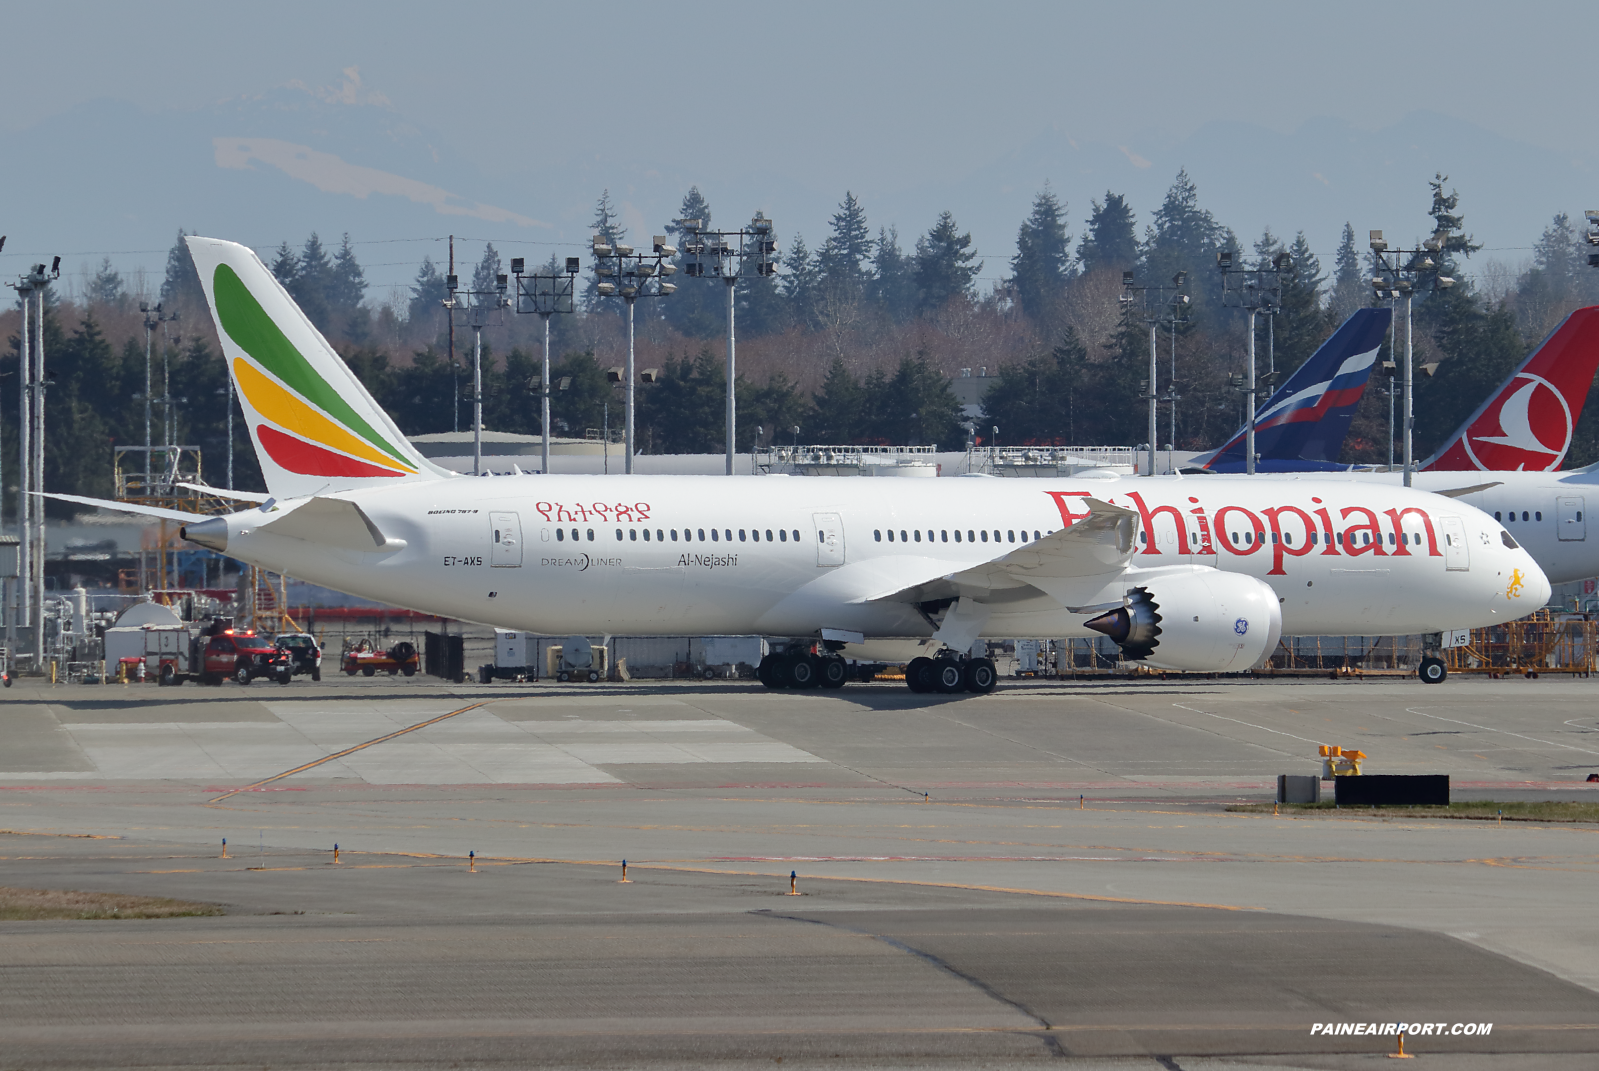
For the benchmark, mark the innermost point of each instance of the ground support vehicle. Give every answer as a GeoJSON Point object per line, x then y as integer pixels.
{"type": "Point", "coordinates": [363, 657]}
{"type": "Point", "coordinates": [512, 658]}
{"type": "Point", "coordinates": [243, 656]}
{"type": "Point", "coordinates": [305, 654]}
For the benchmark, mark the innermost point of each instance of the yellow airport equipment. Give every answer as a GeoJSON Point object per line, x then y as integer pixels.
{"type": "Point", "coordinates": [1339, 762]}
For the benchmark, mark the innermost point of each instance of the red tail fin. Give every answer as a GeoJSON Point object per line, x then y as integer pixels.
{"type": "Point", "coordinates": [1528, 423]}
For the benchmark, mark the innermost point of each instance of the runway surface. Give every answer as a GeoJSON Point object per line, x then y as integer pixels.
{"type": "Point", "coordinates": [1049, 873]}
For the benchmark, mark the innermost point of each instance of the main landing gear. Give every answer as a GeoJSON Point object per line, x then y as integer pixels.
{"type": "Point", "coordinates": [947, 675]}
{"type": "Point", "coordinates": [1432, 670]}
{"type": "Point", "coordinates": [802, 669]}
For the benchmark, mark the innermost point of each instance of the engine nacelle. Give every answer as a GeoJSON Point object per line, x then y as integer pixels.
{"type": "Point", "coordinates": [1207, 620]}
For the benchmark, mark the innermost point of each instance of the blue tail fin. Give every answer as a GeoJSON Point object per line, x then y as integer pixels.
{"type": "Point", "coordinates": [1302, 426]}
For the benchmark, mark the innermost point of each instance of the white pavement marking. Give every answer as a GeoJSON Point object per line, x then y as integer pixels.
{"type": "Point", "coordinates": [476, 747]}
{"type": "Point", "coordinates": [1507, 732]}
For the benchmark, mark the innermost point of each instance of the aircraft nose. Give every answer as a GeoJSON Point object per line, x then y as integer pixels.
{"type": "Point", "coordinates": [1536, 589]}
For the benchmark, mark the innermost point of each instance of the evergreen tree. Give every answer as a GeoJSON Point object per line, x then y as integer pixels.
{"type": "Point", "coordinates": [845, 256]}
{"type": "Point", "coordinates": [1035, 402]}
{"type": "Point", "coordinates": [312, 281]}
{"type": "Point", "coordinates": [944, 268]}
{"type": "Point", "coordinates": [181, 286]}
{"type": "Point", "coordinates": [776, 405]}
{"type": "Point", "coordinates": [106, 287]}
{"type": "Point", "coordinates": [1111, 240]}
{"type": "Point", "coordinates": [840, 407]}
{"type": "Point", "coordinates": [1552, 287]}
{"type": "Point", "coordinates": [1267, 246]}
{"type": "Point", "coordinates": [485, 277]}
{"type": "Point", "coordinates": [893, 277]}
{"type": "Point", "coordinates": [611, 232]}
{"type": "Point", "coordinates": [427, 297]}
{"type": "Point", "coordinates": [346, 282]}
{"type": "Point", "coordinates": [1349, 289]}
{"type": "Point", "coordinates": [919, 407]}
{"type": "Point", "coordinates": [698, 308]}
{"type": "Point", "coordinates": [801, 280]}
{"type": "Point", "coordinates": [285, 266]}
{"type": "Point", "coordinates": [1300, 325]}
{"type": "Point", "coordinates": [684, 412]}
{"type": "Point", "coordinates": [1186, 237]}
{"type": "Point", "coordinates": [762, 307]}
{"type": "Point", "coordinates": [1043, 258]}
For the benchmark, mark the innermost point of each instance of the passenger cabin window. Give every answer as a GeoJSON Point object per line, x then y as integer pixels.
{"type": "Point", "coordinates": [944, 535]}
{"type": "Point", "coordinates": [702, 535]}
{"type": "Point", "coordinates": [1538, 516]}
{"type": "Point", "coordinates": [877, 534]}
{"type": "Point", "coordinates": [591, 535]}
{"type": "Point", "coordinates": [903, 538]}
{"type": "Point", "coordinates": [1012, 535]}
{"type": "Point", "coordinates": [1523, 514]}
{"type": "Point", "coordinates": [782, 534]}
{"type": "Point", "coordinates": [918, 535]}
{"type": "Point", "coordinates": [768, 535]}
{"type": "Point", "coordinates": [985, 535]}
{"type": "Point", "coordinates": [713, 535]}
{"type": "Point", "coordinates": [741, 535]}
{"type": "Point", "coordinates": [957, 535]}
{"type": "Point", "coordinates": [560, 535]}
{"type": "Point", "coordinates": [1497, 517]}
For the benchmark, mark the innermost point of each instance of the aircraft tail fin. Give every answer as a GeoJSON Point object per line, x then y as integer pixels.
{"type": "Point", "coordinates": [1529, 421]}
{"type": "Point", "coordinates": [314, 426]}
{"type": "Point", "coordinates": [1304, 422]}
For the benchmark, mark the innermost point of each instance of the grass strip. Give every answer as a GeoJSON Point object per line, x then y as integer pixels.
{"type": "Point", "coordinates": [39, 904]}
{"type": "Point", "coordinates": [1475, 810]}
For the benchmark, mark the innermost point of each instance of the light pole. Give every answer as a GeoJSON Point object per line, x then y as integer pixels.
{"type": "Point", "coordinates": [30, 455]}
{"type": "Point", "coordinates": [545, 294]}
{"type": "Point", "coordinates": [1253, 290]}
{"type": "Point", "coordinates": [1399, 272]}
{"type": "Point", "coordinates": [153, 318]}
{"type": "Point", "coordinates": [713, 250]}
{"type": "Point", "coordinates": [630, 276]}
{"type": "Point", "coordinates": [1179, 301]}
{"type": "Point", "coordinates": [483, 310]}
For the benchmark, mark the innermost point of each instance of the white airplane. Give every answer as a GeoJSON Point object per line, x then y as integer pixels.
{"type": "Point", "coordinates": [1188, 574]}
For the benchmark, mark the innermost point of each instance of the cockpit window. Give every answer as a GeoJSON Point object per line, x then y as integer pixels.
{"type": "Point", "coordinates": [1511, 543]}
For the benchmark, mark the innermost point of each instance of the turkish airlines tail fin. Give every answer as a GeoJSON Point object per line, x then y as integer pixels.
{"type": "Point", "coordinates": [315, 427]}
{"type": "Point", "coordinates": [1528, 422]}
{"type": "Point", "coordinates": [1302, 426]}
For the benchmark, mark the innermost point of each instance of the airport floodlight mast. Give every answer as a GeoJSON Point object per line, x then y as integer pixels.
{"type": "Point", "coordinates": [153, 318]}
{"type": "Point", "coordinates": [30, 456]}
{"type": "Point", "coordinates": [1145, 303]}
{"type": "Point", "coordinates": [546, 294]}
{"type": "Point", "coordinates": [484, 309]}
{"type": "Point", "coordinates": [721, 254]}
{"type": "Point", "coordinates": [1255, 290]}
{"type": "Point", "coordinates": [1399, 274]}
{"type": "Point", "coordinates": [628, 275]}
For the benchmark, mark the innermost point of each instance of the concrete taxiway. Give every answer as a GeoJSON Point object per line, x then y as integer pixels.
{"type": "Point", "coordinates": [1047, 872]}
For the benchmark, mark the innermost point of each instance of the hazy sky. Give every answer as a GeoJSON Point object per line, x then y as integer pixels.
{"type": "Point", "coordinates": [784, 108]}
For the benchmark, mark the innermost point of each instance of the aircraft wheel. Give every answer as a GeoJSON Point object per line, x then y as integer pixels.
{"type": "Point", "coordinates": [1432, 671]}
{"type": "Point", "coordinates": [948, 677]}
{"type": "Point", "coordinates": [802, 672]}
{"type": "Point", "coordinates": [919, 674]}
{"type": "Point", "coordinates": [835, 672]}
{"type": "Point", "coordinates": [770, 671]}
{"type": "Point", "coordinates": [980, 676]}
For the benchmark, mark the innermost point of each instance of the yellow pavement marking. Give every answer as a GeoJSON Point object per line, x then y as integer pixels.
{"type": "Point", "coordinates": [348, 751]}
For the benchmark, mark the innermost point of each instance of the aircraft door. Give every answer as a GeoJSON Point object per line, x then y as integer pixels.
{"type": "Point", "coordinates": [1457, 556]}
{"type": "Point", "coordinates": [829, 539]}
{"type": "Point", "coordinates": [1571, 526]}
{"type": "Point", "coordinates": [506, 551]}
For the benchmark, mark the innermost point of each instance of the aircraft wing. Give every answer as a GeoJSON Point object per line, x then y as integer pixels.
{"type": "Point", "coordinates": [219, 492]}
{"type": "Point", "coordinates": [127, 507]}
{"type": "Point", "coordinates": [1062, 565]}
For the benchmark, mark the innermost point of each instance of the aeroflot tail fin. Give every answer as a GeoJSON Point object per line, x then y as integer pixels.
{"type": "Point", "coordinates": [1302, 426]}
{"type": "Point", "coordinates": [1528, 423]}
{"type": "Point", "coordinates": [315, 427]}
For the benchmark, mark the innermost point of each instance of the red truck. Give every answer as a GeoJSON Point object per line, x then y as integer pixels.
{"type": "Point", "coordinates": [244, 656]}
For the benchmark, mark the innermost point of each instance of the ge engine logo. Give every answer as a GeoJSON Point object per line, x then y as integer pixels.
{"type": "Point", "coordinates": [1240, 626]}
